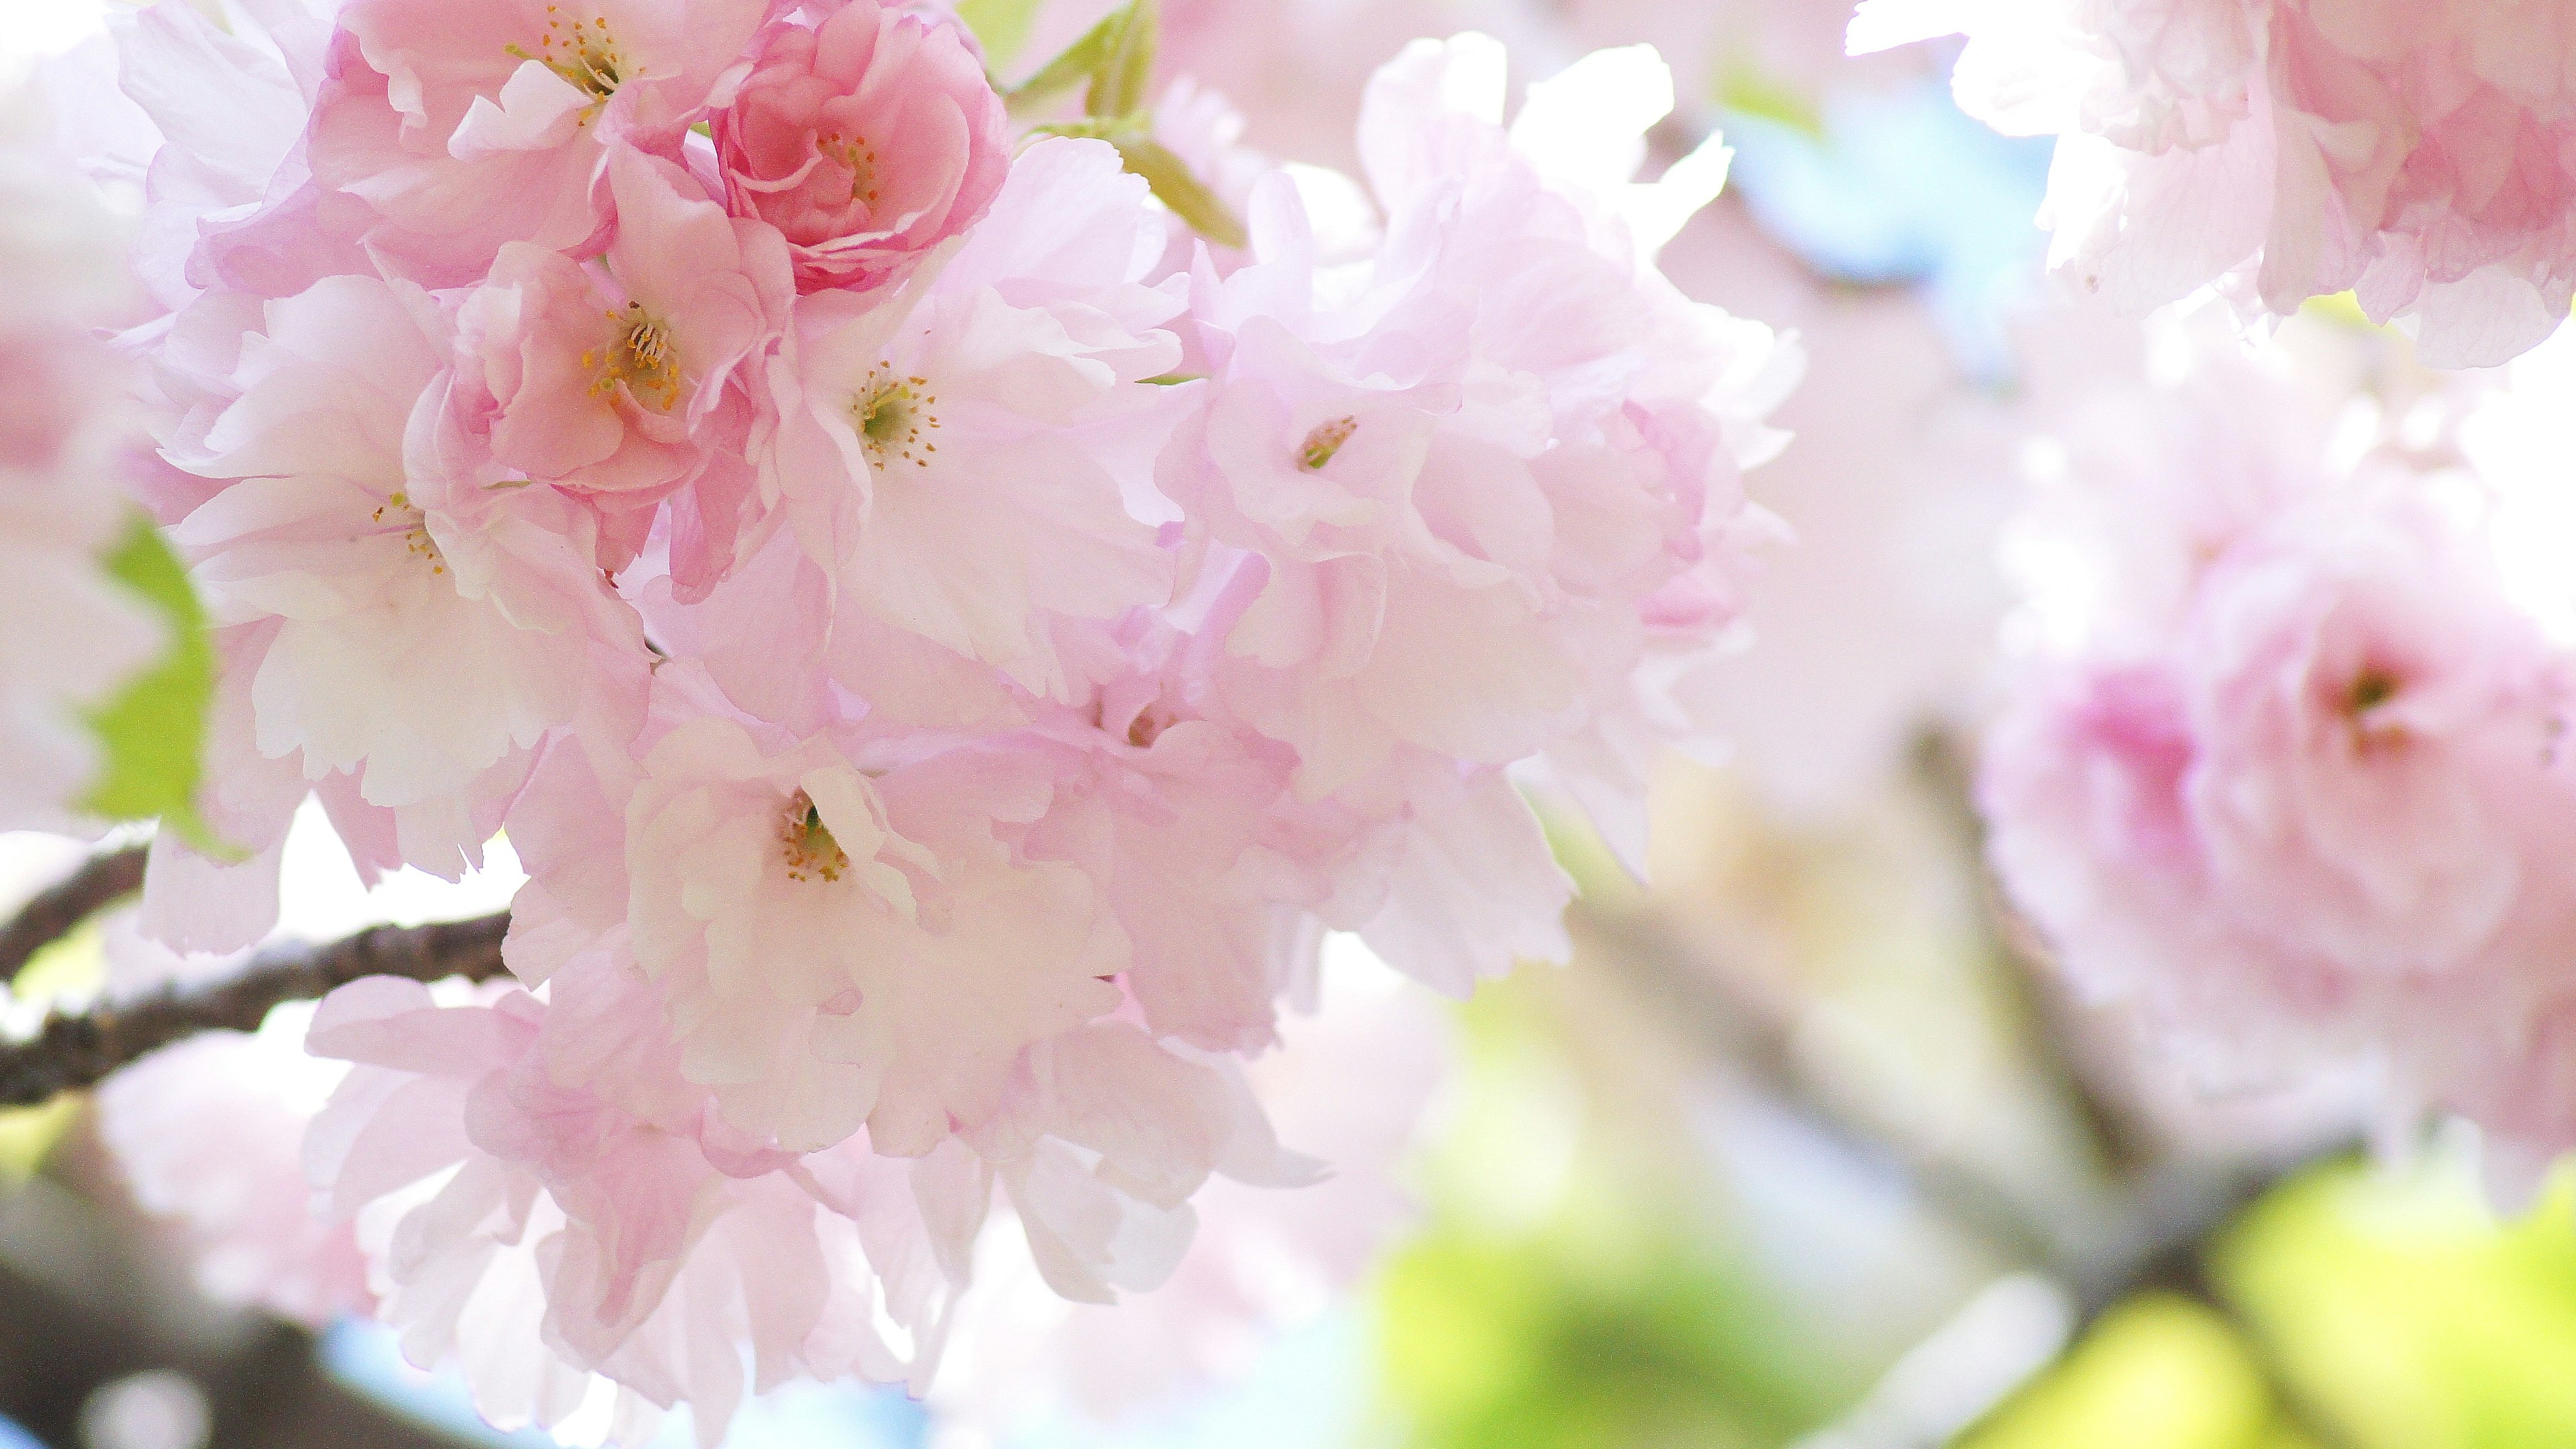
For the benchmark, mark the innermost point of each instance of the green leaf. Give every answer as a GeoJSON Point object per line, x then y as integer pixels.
{"type": "Point", "coordinates": [2158, 1372]}
{"type": "Point", "coordinates": [153, 734]}
{"type": "Point", "coordinates": [1001, 25]}
{"type": "Point", "coordinates": [1172, 183]}
{"type": "Point", "coordinates": [1747, 89]}
{"type": "Point", "coordinates": [2405, 1313]}
{"type": "Point", "coordinates": [1123, 79]}
{"type": "Point", "coordinates": [1078, 63]}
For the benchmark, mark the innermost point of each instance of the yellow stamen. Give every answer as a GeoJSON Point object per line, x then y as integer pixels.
{"type": "Point", "coordinates": [1324, 442]}
{"type": "Point", "coordinates": [892, 413]}
{"type": "Point", "coordinates": [641, 355]}
{"type": "Point", "coordinates": [587, 57]}
{"type": "Point", "coordinates": [807, 843]}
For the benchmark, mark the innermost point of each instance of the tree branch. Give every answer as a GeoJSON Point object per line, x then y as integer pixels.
{"type": "Point", "coordinates": [72, 1052]}
{"type": "Point", "coordinates": [58, 910]}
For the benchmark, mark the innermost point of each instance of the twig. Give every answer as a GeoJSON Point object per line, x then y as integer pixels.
{"type": "Point", "coordinates": [72, 1052]}
{"type": "Point", "coordinates": [58, 910]}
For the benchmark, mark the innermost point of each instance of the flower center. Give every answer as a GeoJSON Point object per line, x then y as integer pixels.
{"type": "Point", "coordinates": [858, 158]}
{"type": "Point", "coordinates": [892, 413]}
{"type": "Point", "coordinates": [807, 844]}
{"type": "Point", "coordinates": [2373, 687]}
{"type": "Point", "coordinates": [1324, 442]}
{"type": "Point", "coordinates": [415, 530]}
{"type": "Point", "coordinates": [640, 354]}
{"type": "Point", "coordinates": [586, 55]}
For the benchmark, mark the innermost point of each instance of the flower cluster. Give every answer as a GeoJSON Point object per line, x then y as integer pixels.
{"type": "Point", "coordinates": [62, 504]}
{"type": "Point", "coordinates": [2422, 156]}
{"type": "Point", "coordinates": [945, 646]}
{"type": "Point", "coordinates": [2284, 771]}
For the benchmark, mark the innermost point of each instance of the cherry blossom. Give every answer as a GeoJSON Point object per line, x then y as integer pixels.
{"type": "Point", "coordinates": [947, 645]}
{"type": "Point", "coordinates": [2293, 148]}
{"type": "Point", "coordinates": [464, 127]}
{"type": "Point", "coordinates": [866, 139]}
{"type": "Point", "coordinates": [2288, 786]}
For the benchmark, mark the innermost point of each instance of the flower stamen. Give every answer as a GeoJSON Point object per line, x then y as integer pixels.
{"type": "Point", "coordinates": [415, 530]}
{"type": "Point", "coordinates": [892, 413]}
{"type": "Point", "coordinates": [807, 844]}
{"type": "Point", "coordinates": [1324, 442]}
{"type": "Point", "coordinates": [586, 57]}
{"type": "Point", "coordinates": [855, 156]}
{"type": "Point", "coordinates": [641, 355]}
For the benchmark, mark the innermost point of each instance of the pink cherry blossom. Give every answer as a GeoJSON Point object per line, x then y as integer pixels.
{"type": "Point", "coordinates": [2295, 148]}
{"type": "Point", "coordinates": [844, 945]}
{"type": "Point", "coordinates": [945, 657]}
{"type": "Point", "coordinates": [1462, 463]}
{"type": "Point", "coordinates": [626, 378]}
{"type": "Point", "coordinates": [359, 595]}
{"type": "Point", "coordinates": [465, 127]}
{"type": "Point", "coordinates": [2300, 796]}
{"type": "Point", "coordinates": [962, 458]}
{"type": "Point", "coordinates": [603, 1246]}
{"type": "Point", "coordinates": [666, 1248]}
{"type": "Point", "coordinates": [867, 138]}
{"type": "Point", "coordinates": [1346, 1086]}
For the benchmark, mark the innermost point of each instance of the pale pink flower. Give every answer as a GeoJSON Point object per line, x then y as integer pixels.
{"type": "Point", "coordinates": [961, 458]}
{"type": "Point", "coordinates": [2412, 154]}
{"type": "Point", "coordinates": [551, 1205]}
{"type": "Point", "coordinates": [866, 137]}
{"type": "Point", "coordinates": [407, 630]}
{"type": "Point", "coordinates": [223, 111]}
{"type": "Point", "coordinates": [2301, 792]}
{"type": "Point", "coordinates": [1347, 1086]}
{"type": "Point", "coordinates": [468, 126]}
{"type": "Point", "coordinates": [552, 1209]}
{"type": "Point", "coordinates": [1517, 432]}
{"type": "Point", "coordinates": [1103, 1137]}
{"type": "Point", "coordinates": [1187, 820]}
{"type": "Point", "coordinates": [844, 945]}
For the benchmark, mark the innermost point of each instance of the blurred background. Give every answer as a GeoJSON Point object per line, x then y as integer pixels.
{"type": "Point", "coordinates": [1803, 1149]}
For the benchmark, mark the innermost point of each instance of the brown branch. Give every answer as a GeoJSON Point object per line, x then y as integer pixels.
{"type": "Point", "coordinates": [58, 910]}
{"type": "Point", "coordinates": [72, 1052]}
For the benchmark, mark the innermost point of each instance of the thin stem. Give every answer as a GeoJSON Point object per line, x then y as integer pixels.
{"type": "Point", "coordinates": [76, 1051]}
{"type": "Point", "coordinates": [58, 910]}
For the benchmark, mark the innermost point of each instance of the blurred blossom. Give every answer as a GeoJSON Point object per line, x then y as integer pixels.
{"type": "Point", "coordinates": [2279, 771]}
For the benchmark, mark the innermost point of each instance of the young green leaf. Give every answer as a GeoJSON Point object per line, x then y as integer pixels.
{"type": "Point", "coordinates": [152, 735]}
{"type": "Point", "coordinates": [1076, 64]}
{"type": "Point", "coordinates": [1122, 82]}
{"type": "Point", "coordinates": [1002, 26]}
{"type": "Point", "coordinates": [1185, 194]}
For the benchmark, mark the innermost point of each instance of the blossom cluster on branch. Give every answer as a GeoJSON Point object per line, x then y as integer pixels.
{"type": "Point", "coordinates": [945, 641]}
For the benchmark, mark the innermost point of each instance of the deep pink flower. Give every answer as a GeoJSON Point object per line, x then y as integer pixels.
{"type": "Point", "coordinates": [867, 139]}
